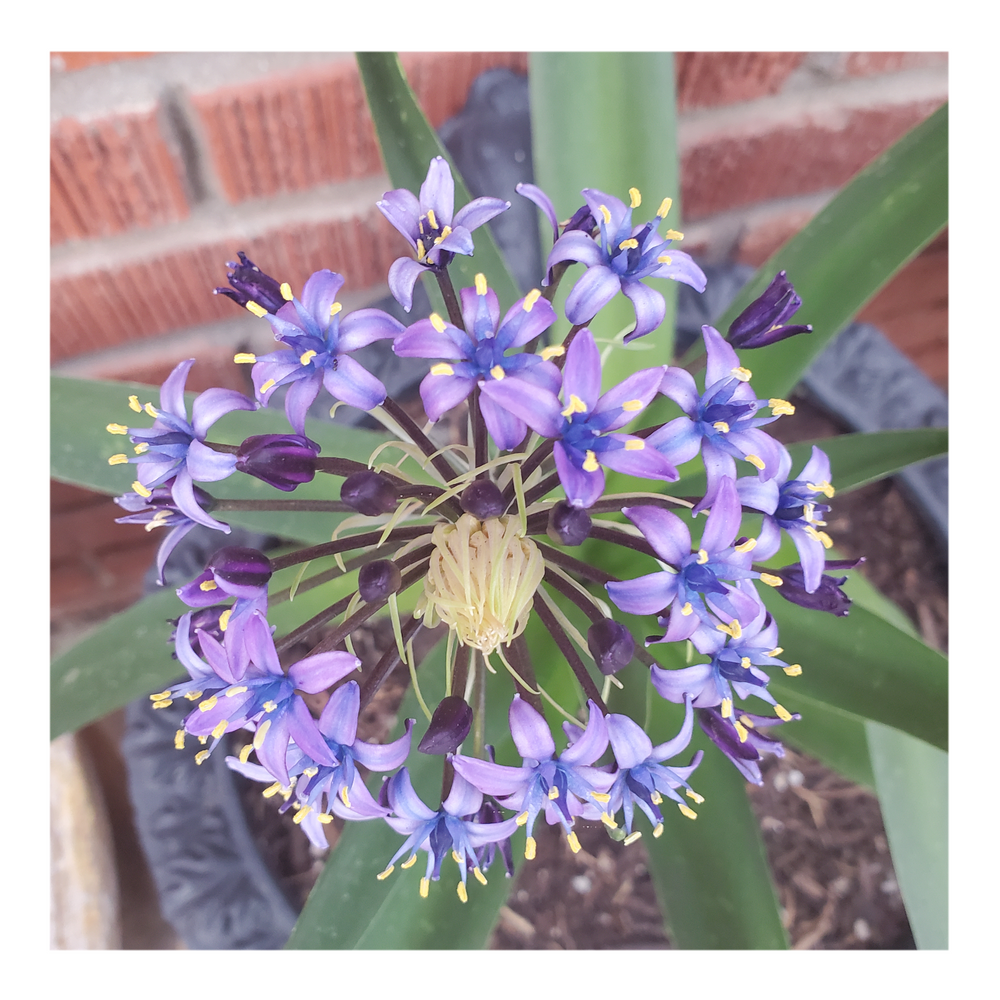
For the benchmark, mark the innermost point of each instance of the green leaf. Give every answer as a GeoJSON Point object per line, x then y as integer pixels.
{"type": "Point", "coordinates": [912, 783]}
{"type": "Point", "coordinates": [592, 127]}
{"type": "Point", "coordinates": [408, 144]}
{"type": "Point", "coordinates": [876, 223]}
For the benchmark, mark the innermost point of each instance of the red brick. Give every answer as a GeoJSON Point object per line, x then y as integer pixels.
{"type": "Point", "coordinates": [874, 63]}
{"type": "Point", "coordinates": [112, 175]}
{"type": "Point", "coordinates": [707, 79]}
{"type": "Point", "coordinates": [69, 61]}
{"type": "Point", "coordinates": [809, 153]}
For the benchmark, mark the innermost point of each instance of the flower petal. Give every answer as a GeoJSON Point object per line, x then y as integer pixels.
{"type": "Point", "coordinates": [645, 595]}
{"type": "Point", "coordinates": [665, 531]}
{"type": "Point", "coordinates": [530, 731]}
{"type": "Point", "coordinates": [594, 289]}
{"type": "Point", "coordinates": [353, 384]}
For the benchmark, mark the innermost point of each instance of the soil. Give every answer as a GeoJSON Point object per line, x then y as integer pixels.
{"type": "Point", "coordinates": [824, 835]}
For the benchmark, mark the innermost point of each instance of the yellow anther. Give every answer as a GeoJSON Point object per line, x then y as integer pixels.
{"type": "Point", "coordinates": [193, 695]}
{"type": "Point", "coordinates": [201, 756]}
{"type": "Point", "coordinates": [529, 848]}
{"type": "Point", "coordinates": [793, 669]}
{"type": "Point", "coordinates": [208, 585]}
{"type": "Point", "coordinates": [608, 821]}
{"type": "Point", "coordinates": [431, 218]}
{"type": "Point", "coordinates": [324, 818]}
{"type": "Point", "coordinates": [548, 353]}
{"type": "Point", "coordinates": [747, 721]}
{"type": "Point", "coordinates": [258, 736]}
{"type": "Point", "coordinates": [425, 884]}
{"type": "Point", "coordinates": [134, 404]}
{"type": "Point", "coordinates": [244, 358]}
{"type": "Point", "coordinates": [159, 519]}
{"type": "Point", "coordinates": [301, 814]}
{"type": "Point", "coordinates": [203, 739]}
{"type": "Point", "coordinates": [771, 580]}
{"type": "Point", "coordinates": [271, 790]}
{"type": "Point", "coordinates": [257, 310]}
{"type": "Point", "coordinates": [740, 731]}
{"type": "Point", "coordinates": [335, 308]}
{"type": "Point", "coordinates": [245, 753]}
{"type": "Point", "coordinates": [590, 463]}
{"type": "Point", "coordinates": [824, 487]}
{"type": "Point", "coordinates": [497, 372]}
{"type": "Point", "coordinates": [574, 841]}
{"type": "Point", "coordinates": [820, 536]}
{"type": "Point", "coordinates": [743, 374]}
{"type": "Point", "coordinates": [118, 460]}
{"type": "Point", "coordinates": [421, 252]}
{"type": "Point", "coordinates": [481, 286]}
{"type": "Point", "coordinates": [727, 707]}
{"type": "Point", "coordinates": [179, 739]}
{"type": "Point", "coordinates": [522, 819]}
{"type": "Point", "coordinates": [343, 796]}
{"type": "Point", "coordinates": [635, 199]}
{"type": "Point", "coordinates": [673, 234]}
{"type": "Point", "coordinates": [151, 410]}
{"type": "Point", "coordinates": [756, 461]}
{"type": "Point", "coordinates": [687, 811]}
{"type": "Point", "coordinates": [208, 704]}
{"type": "Point", "coordinates": [633, 405]}
{"type": "Point", "coordinates": [480, 877]}
{"type": "Point", "coordinates": [409, 862]}
{"type": "Point", "coordinates": [777, 651]}
{"type": "Point", "coordinates": [576, 405]}
{"type": "Point", "coordinates": [437, 322]}
{"type": "Point", "coordinates": [664, 258]}
{"type": "Point", "coordinates": [702, 557]}
{"type": "Point", "coordinates": [306, 357]}
{"type": "Point", "coordinates": [531, 298]}
{"type": "Point", "coordinates": [733, 629]}
{"type": "Point", "coordinates": [163, 704]}
{"type": "Point", "coordinates": [382, 876]}
{"type": "Point", "coordinates": [687, 609]}
{"type": "Point", "coordinates": [141, 447]}
{"type": "Point", "coordinates": [661, 212]}
{"type": "Point", "coordinates": [224, 619]}
{"type": "Point", "coordinates": [233, 691]}
{"type": "Point", "coordinates": [745, 662]}
{"type": "Point", "coordinates": [601, 797]}
{"type": "Point", "coordinates": [553, 793]}
{"type": "Point", "coordinates": [632, 837]}
{"type": "Point", "coordinates": [655, 797]}
{"type": "Point", "coordinates": [137, 487]}
{"type": "Point", "coordinates": [721, 426]}
{"type": "Point", "coordinates": [781, 407]}
{"type": "Point", "coordinates": [443, 368]}
{"type": "Point", "coordinates": [635, 444]}
{"type": "Point", "coordinates": [455, 857]}
{"type": "Point", "coordinates": [269, 384]}
{"type": "Point", "coordinates": [116, 429]}
{"type": "Point", "coordinates": [783, 713]}
{"type": "Point", "coordinates": [605, 214]}
{"type": "Point", "coordinates": [694, 796]}
{"type": "Point", "coordinates": [658, 830]}
{"type": "Point", "coordinates": [463, 893]}
{"type": "Point", "coordinates": [748, 546]}
{"type": "Point", "coordinates": [629, 244]}
{"type": "Point", "coordinates": [220, 729]}
{"type": "Point", "coordinates": [270, 706]}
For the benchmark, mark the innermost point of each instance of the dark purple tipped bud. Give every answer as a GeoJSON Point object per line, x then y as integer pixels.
{"type": "Point", "coordinates": [611, 645]}
{"type": "Point", "coordinates": [482, 498]}
{"type": "Point", "coordinates": [762, 322]}
{"type": "Point", "coordinates": [827, 596]}
{"type": "Point", "coordinates": [281, 460]}
{"type": "Point", "coordinates": [568, 525]}
{"type": "Point", "coordinates": [744, 753]}
{"type": "Point", "coordinates": [203, 620]}
{"type": "Point", "coordinates": [244, 572]}
{"type": "Point", "coordinates": [582, 220]}
{"type": "Point", "coordinates": [450, 724]}
{"type": "Point", "coordinates": [378, 579]}
{"type": "Point", "coordinates": [369, 493]}
{"type": "Point", "coordinates": [251, 284]}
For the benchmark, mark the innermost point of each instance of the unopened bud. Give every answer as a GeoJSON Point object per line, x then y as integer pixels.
{"type": "Point", "coordinates": [250, 284]}
{"type": "Point", "coordinates": [763, 321]}
{"type": "Point", "coordinates": [611, 645]}
{"type": "Point", "coordinates": [242, 572]}
{"type": "Point", "coordinates": [378, 579]}
{"type": "Point", "coordinates": [449, 725]}
{"type": "Point", "coordinates": [369, 493]}
{"type": "Point", "coordinates": [568, 525]}
{"type": "Point", "coordinates": [482, 499]}
{"type": "Point", "coordinates": [281, 460]}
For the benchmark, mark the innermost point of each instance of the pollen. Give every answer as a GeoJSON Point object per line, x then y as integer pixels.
{"type": "Point", "coordinates": [383, 875]}
{"type": "Point", "coordinates": [324, 818]}
{"type": "Point", "coordinates": [258, 737]}
{"type": "Point", "coordinates": [783, 713]}
{"type": "Point", "coordinates": [601, 797]}
{"type": "Point", "coordinates": [335, 308]}
{"type": "Point", "coordinates": [608, 821]}
{"type": "Point", "coordinates": [270, 706]}
{"type": "Point", "coordinates": [530, 299]}
{"type": "Point", "coordinates": [632, 837]}
{"type": "Point", "coordinates": [664, 258]}
{"type": "Point", "coordinates": [574, 841]}
{"type": "Point", "coordinates": [244, 358]}
{"type": "Point", "coordinates": [141, 448]}
{"type": "Point", "coordinates": [301, 814]}
{"type": "Point", "coordinates": [425, 884]}
{"type": "Point", "coordinates": [137, 487]}
{"type": "Point", "coordinates": [481, 286]}
{"type": "Point", "coordinates": [306, 357]}
{"type": "Point", "coordinates": [687, 609]}
{"type": "Point", "coordinates": [673, 234]}
{"type": "Point", "coordinates": [163, 704]}
{"type": "Point", "coordinates": [257, 310]}
{"type": "Point", "coordinates": [733, 629]}
{"type": "Point", "coordinates": [409, 862]}
{"type": "Point", "coordinates": [702, 557]}
{"type": "Point", "coordinates": [777, 651]}
{"type": "Point", "coordinates": [529, 848]}
{"type": "Point", "coordinates": [201, 756]}
{"type": "Point", "coordinates": [756, 461]}
{"type": "Point", "coordinates": [134, 404]}
{"type": "Point", "coordinates": [727, 707]}
{"type": "Point", "coordinates": [771, 580]}
{"type": "Point", "coordinates": [781, 407]}
{"type": "Point", "coordinates": [224, 619]}
{"type": "Point", "coordinates": [208, 704]}
{"type": "Point", "coordinates": [118, 459]}
{"type": "Point", "coordinates": [687, 811]}
{"type": "Point", "coordinates": [605, 214]}
{"type": "Point", "coordinates": [658, 831]}
{"type": "Point", "coordinates": [269, 384]}
{"type": "Point", "coordinates": [463, 893]}
{"type": "Point", "coordinates": [286, 291]}
{"type": "Point", "coordinates": [421, 252]}
{"type": "Point", "coordinates": [437, 322]}
{"type": "Point", "coordinates": [179, 739]}
{"type": "Point", "coordinates": [824, 487]}
{"type": "Point", "coordinates": [635, 444]}
{"type": "Point", "coordinates": [741, 732]}
{"type": "Point", "coordinates": [743, 374]}
{"type": "Point", "coordinates": [522, 819]}
{"type": "Point", "coordinates": [481, 580]}
{"type": "Point", "coordinates": [793, 669]}
{"type": "Point", "coordinates": [664, 208]}
{"type": "Point", "coordinates": [694, 796]}
{"type": "Point", "coordinates": [233, 691]}
{"type": "Point", "coordinates": [747, 721]}
{"type": "Point", "coordinates": [208, 585]}
{"type": "Point", "coordinates": [116, 429]}
{"type": "Point", "coordinates": [220, 729]}
{"type": "Point", "coordinates": [590, 463]}
{"type": "Point", "coordinates": [632, 405]}
{"type": "Point", "coordinates": [442, 369]}
{"type": "Point", "coordinates": [635, 198]}
{"type": "Point", "coordinates": [271, 790]}
{"type": "Point", "coordinates": [819, 536]}
{"type": "Point", "coordinates": [431, 218]}
{"type": "Point", "coordinates": [629, 244]}
{"type": "Point", "coordinates": [553, 793]}
{"type": "Point", "coordinates": [576, 405]}
{"type": "Point", "coordinates": [745, 662]}
{"type": "Point", "coordinates": [480, 877]}
{"type": "Point", "coordinates": [497, 372]}
{"type": "Point", "coordinates": [245, 753]}
{"type": "Point", "coordinates": [721, 426]}
{"type": "Point", "coordinates": [548, 353]}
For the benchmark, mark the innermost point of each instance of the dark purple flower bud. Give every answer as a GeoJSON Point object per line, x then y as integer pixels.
{"type": "Point", "coordinates": [202, 620]}
{"type": "Point", "coordinates": [827, 596]}
{"type": "Point", "coordinates": [281, 460]}
{"type": "Point", "coordinates": [611, 645]}
{"type": "Point", "coordinates": [582, 220]}
{"type": "Point", "coordinates": [450, 724]}
{"type": "Point", "coordinates": [568, 525]}
{"type": "Point", "coordinates": [761, 323]}
{"type": "Point", "coordinates": [251, 284]}
{"type": "Point", "coordinates": [740, 739]}
{"type": "Point", "coordinates": [369, 493]}
{"type": "Point", "coordinates": [378, 579]}
{"type": "Point", "coordinates": [243, 572]}
{"type": "Point", "coordinates": [482, 498]}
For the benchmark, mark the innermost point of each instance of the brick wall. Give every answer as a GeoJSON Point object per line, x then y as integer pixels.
{"type": "Point", "coordinates": [163, 165]}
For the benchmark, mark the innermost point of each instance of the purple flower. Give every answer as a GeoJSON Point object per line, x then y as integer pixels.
{"type": "Point", "coordinates": [792, 505]}
{"type": "Point", "coordinates": [172, 450]}
{"type": "Point", "coordinates": [721, 422]}
{"type": "Point", "coordinates": [620, 259]}
{"type": "Point", "coordinates": [431, 226]}
{"type": "Point", "coordinates": [827, 596]}
{"type": "Point", "coordinates": [693, 584]}
{"type": "Point", "coordinates": [451, 829]}
{"type": "Point", "coordinates": [250, 284]}
{"type": "Point", "coordinates": [480, 356]}
{"type": "Point", "coordinates": [561, 787]}
{"type": "Point", "coordinates": [763, 321]}
{"type": "Point", "coordinates": [320, 344]}
{"type": "Point", "coordinates": [583, 422]}
{"type": "Point", "coordinates": [745, 745]}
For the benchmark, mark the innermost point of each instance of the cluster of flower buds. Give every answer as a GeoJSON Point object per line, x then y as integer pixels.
{"type": "Point", "coordinates": [484, 534]}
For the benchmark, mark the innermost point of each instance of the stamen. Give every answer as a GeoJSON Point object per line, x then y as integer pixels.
{"type": "Point", "coordinates": [529, 848]}
{"type": "Point", "coordinates": [777, 651]}
{"type": "Point", "coordinates": [632, 837]}
{"type": "Point", "coordinates": [601, 797]}
{"type": "Point", "coordinates": [756, 461]}
{"type": "Point", "coordinates": [346, 800]}
{"type": "Point", "coordinates": [781, 407]}
{"type": "Point", "coordinates": [702, 557]}
{"type": "Point", "coordinates": [635, 198]}
{"type": "Point", "coordinates": [443, 368]}
{"type": "Point", "coordinates": [220, 729]}
{"type": "Point", "coordinates": [245, 359]}
{"type": "Point", "coordinates": [269, 384]}
{"type": "Point", "coordinates": [301, 814]}
{"type": "Point", "coordinates": [134, 404]}
{"type": "Point", "coordinates": [783, 713]}
{"type": "Point", "coordinates": [193, 695]}
{"type": "Point", "coordinates": [574, 841]}
{"type": "Point", "coordinates": [741, 732]}
{"type": "Point", "coordinates": [664, 258]}
{"type": "Point", "coordinates": [672, 234]}
{"type": "Point", "coordinates": [743, 374]}
{"type": "Point", "coordinates": [201, 756]}
{"type": "Point", "coordinates": [820, 536]}
{"type": "Point", "coordinates": [531, 298]}
{"type": "Point", "coordinates": [605, 214]}
{"type": "Point", "coordinates": [286, 291]}
{"type": "Point", "coordinates": [727, 707]}
{"type": "Point", "coordinates": [548, 353]}
{"type": "Point", "coordinates": [116, 429]}
{"type": "Point", "coordinates": [463, 893]}
{"type": "Point", "coordinates": [635, 444]}
{"type": "Point", "coordinates": [261, 733]}
{"type": "Point", "coordinates": [436, 322]}
{"type": "Point", "coordinates": [687, 609]}
{"type": "Point", "coordinates": [497, 372]}
{"type": "Point", "coordinates": [480, 877]}
{"type": "Point", "coordinates": [824, 487]}
{"type": "Point", "coordinates": [163, 704]}
{"type": "Point", "coordinates": [258, 311]}
{"type": "Point", "coordinates": [658, 830]}
{"type": "Point", "coordinates": [629, 244]}
{"type": "Point", "coordinates": [409, 862]}
{"type": "Point", "coordinates": [747, 721]}
{"type": "Point", "coordinates": [748, 546]}
{"type": "Point", "coordinates": [118, 460]}
{"type": "Point", "coordinates": [208, 585]}
{"type": "Point", "coordinates": [324, 818]}
{"type": "Point", "coordinates": [179, 739]}
{"type": "Point", "coordinates": [694, 796]}
{"type": "Point", "coordinates": [137, 487]}
{"type": "Point", "coordinates": [793, 669]}
{"type": "Point", "coordinates": [382, 876]}
{"type": "Point", "coordinates": [431, 218]}
{"type": "Point", "coordinates": [771, 580]}
{"type": "Point", "coordinates": [522, 819]}
{"type": "Point", "coordinates": [245, 753]}
{"type": "Point", "coordinates": [421, 252]}
{"type": "Point", "coordinates": [455, 857]}
{"type": "Point", "coordinates": [141, 447]}
{"type": "Point", "coordinates": [608, 821]}
{"type": "Point", "coordinates": [733, 629]}
{"type": "Point", "coordinates": [208, 704]}
{"type": "Point", "coordinates": [655, 797]}
{"type": "Point", "coordinates": [745, 662]}
{"type": "Point", "coordinates": [633, 405]}
{"type": "Point", "coordinates": [224, 619]}
{"type": "Point", "coordinates": [721, 426]}
{"type": "Point", "coordinates": [270, 706]}
{"type": "Point", "coordinates": [445, 233]}
{"type": "Point", "coordinates": [576, 405]}
{"type": "Point", "coordinates": [271, 790]}
{"type": "Point", "coordinates": [481, 284]}
{"type": "Point", "coordinates": [661, 212]}
{"type": "Point", "coordinates": [335, 308]}
{"type": "Point", "coordinates": [425, 884]}
{"type": "Point", "coordinates": [306, 357]}
{"type": "Point", "coordinates": [687, 811]}
{"type": "Point", "coordinates": [590, 463]}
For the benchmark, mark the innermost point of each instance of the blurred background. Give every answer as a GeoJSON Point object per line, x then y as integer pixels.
{"type": "Point", "coordinates": [164, 165]}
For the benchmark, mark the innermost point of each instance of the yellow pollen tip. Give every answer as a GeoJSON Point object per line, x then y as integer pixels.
{"type": "Point", "coordinates": [793, 669]}
{"type": "Point", "coordinates": [163, 704]}
{"type": "Point", "coordinates": [269, 384]}
{"type": "Point", "coordinates": [179, 739]}
{"type": "Point", "coordinates": [529, 848]}
{"type": "Point", "coordinates": [748, 546]}
{"type": "Point", "coordinates": [335, 308]}
{"type": "Point", "coordinates": [409, 862]}
{"type": "Point", "coordinates": [635, 198]}
{"type": "Point", "coordinates": [820, 536]}
{"type": "Point", "coordinates": [733, 629]}
{"type": "Point", "coordinates": [116, 429]}
{"type": "Point", "coordinates": [421, 252]}
{"type": "Point", "coordinates": [141, 447]}
{"type": "Point", "coordinates": [286, 291]}
{"type": "Point", "coordinates": [590, 463]}
{"type": "Point", "coordinates": [781, 407]}
{"type": "Point", "coordinates": [208, 704]}
{"type": "Point", "coordinates": [425, 884]}
{"type": "Point", "coordinates": [531, 298]}
{"type": "Point", "coordinates": [443, 368]}
{"type": "Point", "coordinates": [741, 732]}
{"type": "Point", "coordinates": [747, 721]}
{"type": "Point", "coordinates": [455, 857]}
{"type": "Point", "coordinates": [655, 797]}
{"type": "Point", "coordinates": [480, 877]}
{"type": "Point", "coordinates": [633, 405]}
{"type": "Point", "coordinates": [436, 322]}
{"type": "Point", "coordinates": [201, 756]}
{"type": "Point", "coordinates": [270, 706]}
{"type": "Point", "coordinates": [382, 876]}
{"type": "Point", "coordinates": [134, 404]}
{"type": "Point", "coordinates": [306, 357]}
{"type": "Point", "coordinates": [745, 662]}
{"type": "Point", "coordinates": [343, 795]}
{"type": "Point", "coordinates": [208, 585]}
{"type": "Point", "coordinates": [687, 811]}
{"type": "Point", "coordinates": [324, 818]}
{"type": "Point", "coordinates": [777, 651]}
{"type": "Point", "coordinates": [260, 734]}
{"type": "Point", "coordinates": [824, 487]}
{"type": "Point", "coordinates": [257, 310]}
{"type": "Point", "coordinates": [193, 695]}
{"type": "Point", "coordinates": [245, 359]}
{"type": "Point", "coordinates": [497, 372]}
{"type": "Point", "coordinates": [605, 214]}
{"type": "Point", "coordinates": [771, 580]}
{"type": "Point", "coordinates": [224, 619]}
{"type": "Point", "coordinates": [271, 790]}
{"type": "Point", "coordinates": [310, 772]}
{"type": "Point", "coordinates": [481, 284]}
{"type": "Point", "coordinates": [635, 444]}
{"type": "Point", "coordinates": [687, 609]}
{"type": "Point", "coordinates": [203, 740]}
{"type": "Point", "coordinates": [694, 796]}
{"type": "Point", "coordinates": [628, 244]}
{"type": "Point", "coordinates": [463, 893]}
{"type": "Point", "coordinates": [553, 793]}
{"type": "Point", "coordinates": [245, 753]}
{"type": "Point", "coordinates": [632, 837]}
{"type": "Point", "coordinates": [664, 207]}
{"type": "Point", "coordinates": [220, 729]}
{"type": "Point", "coordinates": [160, 696]}
{"type": "Point", "coordinates": [721, 426]}
{"type": "Point", "coordinates": [743, 374]}
{"type": "Point", "coordinates": [574, 841]}
{"type": "Point", "coordinates": [576, 405]}
{"type": "Point", "coordinates": [301, 814]}
{"type": "Point", "coordinates": [756, 461]}
{"type": "Point", "coordinates": [783, 713]}
{"type": "Point", "coordinates": [608, 821]}
{"type": "Point", "coordinates": [664, 258]}
{"type": "Point", "coordinates": [673, 234]}
{"type": "Point", "coordinates": [233, 691]}
{"type": "Point", "coordinates": [548, 353]}
{"type": "Point", "coordinates": [137, 487]}
{"type": "Point", "coordinates": [658, 830]}
{"type": "Point", "coordinates": [702, 557]}
{"type": "Point", "coordinates": [151, 410]}
{"type": "Point", "coordinates": [601, 797]}
{"type": "Point", "coordinates": [727, 707]}
{"type": "Point", "coordinates": [118, 459]}
{"type": "Point", "coordinates": [522, 819]}
{"type": "Point", "coordinates": [431, 218]}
